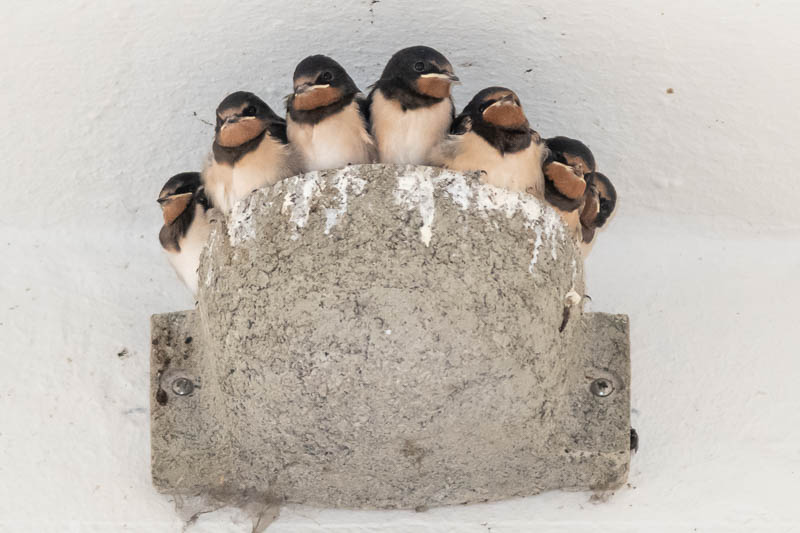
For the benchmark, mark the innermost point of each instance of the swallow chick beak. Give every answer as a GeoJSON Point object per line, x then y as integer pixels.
{"type": "Point", "coordinates": [309, 96]}
{"type": "Point", "coordinates": [235, 119]}
{"type": "Point", "coordinates": [506, 100]}
{"type": "Point", "coordinates": [229, 123]}
{"type": "Point", "coordinates": [237, 129]}
{"type": "Point", "coordinates": [226, 133]}
{"type": "Point", "coordinates": [172, 206]}
{"type": "Point", "coordinates": [436, 84]}
{"type": "Point", "coordinates": [449, 77]}
{"type": "Point", "coordinates": [309, 87]}
{"type": "Point", "coordinates": [506, 113]}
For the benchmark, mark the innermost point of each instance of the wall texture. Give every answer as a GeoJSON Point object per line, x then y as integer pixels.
{"type": "Point", "coordinates": [109, 100]}
{"type": "Point", "coordinates": [101, 102]}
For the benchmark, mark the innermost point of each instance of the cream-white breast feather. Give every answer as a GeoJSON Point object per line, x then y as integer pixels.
{"type": "Point", "coordinates": [408, 137]}
{"type": "Point", "coordinates": [218, 181]}
{"type": "Point", "coordinates": [336, 141]}
{"type": "Point", "coordinates": [519, 171]}
{"type": "Point", "coordinates": [269, 163]}
{"type": "Point", "coordinates": [187, 260]}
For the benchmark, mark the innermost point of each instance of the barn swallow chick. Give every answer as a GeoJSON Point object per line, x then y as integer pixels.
{"type": "Point", "coordinates": [492, 135]}
{"type": "Point", "coordinates": [583, 197]}
{"type": "Point", "coordinates": [600, 201]}
{"type": "Point", "coordinates": [186, 227]}
{"type": "Point", "coordinates": [569, 162]}
{"type": "Point", "coordinates": [250, 150]}
{"type": "Point", "coordinates": [410, 107]}
{"type": "Point", "coordinates": [324, 121]}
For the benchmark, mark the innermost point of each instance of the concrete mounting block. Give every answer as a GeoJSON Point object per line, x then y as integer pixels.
{"type": "Point", "coordinates": [389, 337]}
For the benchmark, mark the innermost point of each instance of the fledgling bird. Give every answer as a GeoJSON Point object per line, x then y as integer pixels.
{"type": "Point", "coordinates": [325, 119]}
{"type": "Point", "coordinates": [186, 226]}
{"type": "Point", "coordinates": [568, 162]}
{"type": "Point", "coordinates": [583, 197]}
{"type": "Point", "coordinates": [410, 107]}
{"type": "Point", "coordinates": [250, 150]}
{"type": "Point", "coordinates": [492, 134]}
{"type": "Point", "coordinates": [599, 205]}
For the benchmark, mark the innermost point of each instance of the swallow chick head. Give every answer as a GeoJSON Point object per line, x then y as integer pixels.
{"type": "Point", "coordinates": [599, 203]}
{"type": "Point", "coordinates": [180, 191]}
{"type": "Point", "coordinates": [319, 81]}
{"type": "Point", "coordinates": [606, 197]}
{"type": "Point", "coordinates": [572, 152]}
{"type": "Point", "coordinates": [241, 117]}
{"type": "Point", "coordinates": [498, 107]}
{"type": "Point", "coordinates": [496, 115]}
{"type": "Point", "coordinates": [422, 70]}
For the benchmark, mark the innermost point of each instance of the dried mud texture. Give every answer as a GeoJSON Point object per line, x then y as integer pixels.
{"type": "Point", "coordinates": [388, 337]}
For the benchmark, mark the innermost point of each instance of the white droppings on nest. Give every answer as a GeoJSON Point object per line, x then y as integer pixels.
{"type": "Point", "coordinates": [491, 198]}
{"type": "Point", "coordinates": [572, 298]}
{"type": "Point", "coordinates": [458, 189]}
{"type": "Point", "coordinates": [554, 228]}
{"type": "Point", "coordinates": [415, 190]}
{"type": "Point", "coordinates": [346, 182]}
{"type": "Point", "coordinates": [240, 222]}
{"type": "Point", "coordinates": [210, 253]}
{"type": "Point", "coordinates": [544, 222]}
{"type": "Point", "coordinates": [331, 217]}
{"type": "Point", "coordinates": [300, 191]}
{"type": "Point", "coordinates": [536, 245]}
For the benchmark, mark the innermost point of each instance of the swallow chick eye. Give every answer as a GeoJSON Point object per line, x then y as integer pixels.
{"type": "Point", "coordinates": [249, 111]}
{"type": "Point", "coordinates": [419, 66]}
{"type": "Point", "coordinates": [326, 76]}
{"type": "Point", "coordinates": [485, 105]}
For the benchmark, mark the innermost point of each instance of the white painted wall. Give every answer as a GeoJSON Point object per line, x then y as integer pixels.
{"type": "Point", "coordinates": [101, 102]}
